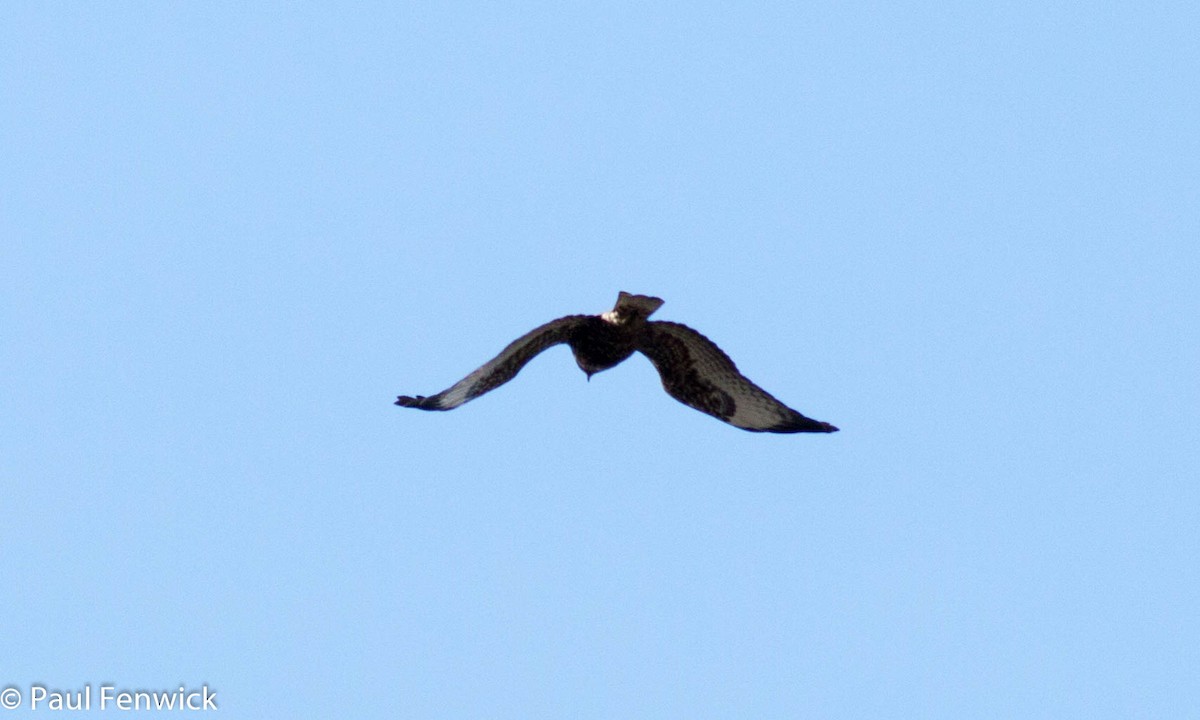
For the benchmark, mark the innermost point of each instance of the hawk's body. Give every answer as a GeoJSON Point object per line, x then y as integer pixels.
{"type": "Point", "coordinates": [694, 371]}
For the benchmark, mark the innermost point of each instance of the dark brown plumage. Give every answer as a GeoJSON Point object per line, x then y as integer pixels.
{"type": "Point", "coordinates": [693, 369]}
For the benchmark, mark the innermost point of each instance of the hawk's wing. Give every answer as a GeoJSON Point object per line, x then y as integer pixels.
{"type": "Point", "coordinates": [698, 374]}
{"type": "Point", "coordinates": [499, 369]}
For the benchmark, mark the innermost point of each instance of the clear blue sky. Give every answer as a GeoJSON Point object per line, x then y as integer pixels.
{"type": "Point", "coordinates": [967, 234]}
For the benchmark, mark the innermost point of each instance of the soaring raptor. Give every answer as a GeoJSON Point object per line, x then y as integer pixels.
{"type": "Point", "coordinates": [694, 371]}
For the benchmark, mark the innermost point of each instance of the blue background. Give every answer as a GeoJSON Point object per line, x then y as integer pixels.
{"type": "Point", "coordinates": [967, 234]}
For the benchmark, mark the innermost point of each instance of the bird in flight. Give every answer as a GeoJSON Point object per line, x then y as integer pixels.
{"type": "Point", "coordinates": [693, 369]}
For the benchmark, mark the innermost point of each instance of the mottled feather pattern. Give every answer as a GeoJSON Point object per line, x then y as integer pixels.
{"type": "Point", "coordinates": [699, 374]}
{"type": "Point", "coordinates": [684, 372]}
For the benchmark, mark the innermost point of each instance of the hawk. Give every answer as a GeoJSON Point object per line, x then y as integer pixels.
{"type": "Point", "coordinates": [693, 369]}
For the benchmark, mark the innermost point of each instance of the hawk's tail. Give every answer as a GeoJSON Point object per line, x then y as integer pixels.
{"type": "Point", "coordinates": [642, 306]}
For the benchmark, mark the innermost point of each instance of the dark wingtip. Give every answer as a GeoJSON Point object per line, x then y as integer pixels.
{"type": "Point", "coordinates": [420, 402]}
{"type": "Point", "coordinates": [802, 424]}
